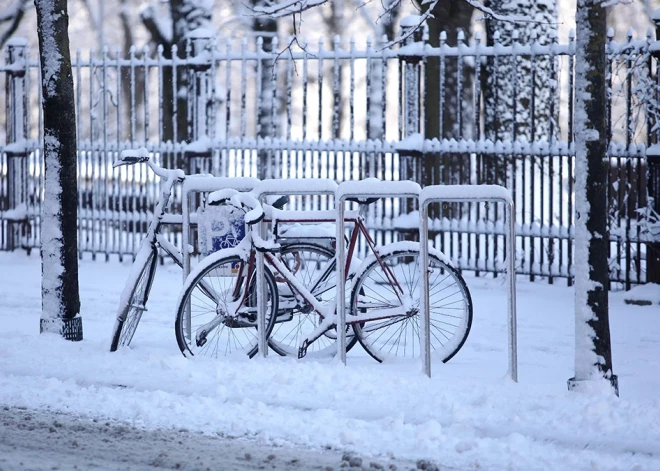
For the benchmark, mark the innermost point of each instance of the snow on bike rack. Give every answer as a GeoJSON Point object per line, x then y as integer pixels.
{"type": "Point", "coordinates": [468, 193]}
{"type": "Point", "coordinates": [302, 187]}
{"type": "Point", "coordinates": [364, 190]}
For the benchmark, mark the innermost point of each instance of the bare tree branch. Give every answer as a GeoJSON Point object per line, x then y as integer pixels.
{"type": "Point", "coordinates": [95, 19]}
{"type": "Point", "coordinates": [286, 8]}
{"type": "Point", "coordinates": [291, 7]}
{"type": "Point", "coordinates": [155, 28]}
{"type": "Point", "coordinates": [14, 14]}
{"type": "Point", "coordinates": [491, 14]}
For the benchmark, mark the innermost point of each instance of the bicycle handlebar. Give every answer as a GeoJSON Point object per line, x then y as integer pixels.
{"type": "Point", "coordinates": [255, 211]}
{"type": "Point", "coordinates": [134, 156]}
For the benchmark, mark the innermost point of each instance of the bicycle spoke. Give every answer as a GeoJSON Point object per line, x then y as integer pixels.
{"type": "Point", "coordinates": [221, 324]}
{"type": "Point", "coordinates": [449, 307]}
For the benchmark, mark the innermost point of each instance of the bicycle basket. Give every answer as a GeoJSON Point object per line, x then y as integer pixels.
{"type": "Point", "coordinates": [220, 227]}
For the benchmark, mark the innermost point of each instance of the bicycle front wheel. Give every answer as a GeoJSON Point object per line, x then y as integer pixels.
{"type": "Point", "coordinates": [388, 292]}
{"type": "Point", "coordinates": [217, 312]}
{"type": "Point", "coordinates": [134, 299]}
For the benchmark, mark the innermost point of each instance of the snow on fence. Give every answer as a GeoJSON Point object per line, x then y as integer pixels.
{"type": "Point", "coordinates": [343, 111]}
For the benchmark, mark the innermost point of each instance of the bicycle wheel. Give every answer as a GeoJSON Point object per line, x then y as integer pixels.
{"type": "Point", "coordinates": [314, 266]}
{"type": "Point", "coordinates": [396, 333]}
{"type": "Point", "coordinates": [133, 300]}
{"type": "Point", "coordinates": [216, 316]}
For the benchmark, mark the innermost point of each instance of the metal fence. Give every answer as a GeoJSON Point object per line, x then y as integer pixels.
{"type": "Point", "coordinates": [465, 112]}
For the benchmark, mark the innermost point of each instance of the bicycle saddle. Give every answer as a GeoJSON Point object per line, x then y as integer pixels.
{"type": "Point", "coordinates": [280, 202]}
{"type": "Point", "coordinates": [364, 201]}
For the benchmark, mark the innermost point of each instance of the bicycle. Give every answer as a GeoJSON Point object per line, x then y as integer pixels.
{"type": "Point", "coordinates": [135, 294]}
{"type": "Point", "coordinates": [136, 290]}
{"type": "Point", "coordinates": [217, 310]}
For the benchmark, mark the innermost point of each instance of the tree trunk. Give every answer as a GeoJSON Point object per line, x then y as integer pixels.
{"type": "Point", "coordinates": [384, 31]}
{"type": "Point", "coordinates": [60, 296]}
{"type": "Point", "coordinates": [266, 29]}
{"type": "Point", "coordinates": [187, 15]}
{"type": "Point", "coordinates": [443, 108]}
{"type": "Point", "coordinates": [593, 355]}
{"type": "Point", "coordinates": [519, 103]}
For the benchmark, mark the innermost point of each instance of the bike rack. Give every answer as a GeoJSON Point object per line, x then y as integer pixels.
{"type": "Point", "coordinates": [361, 189]}
{"type": "Point", "coordinates": [468, 193]}
{"type": "Point", "coordinates": [198, 184]}
{"type": "Point", "coordinates": [302, 187]}
{"type": "Point", "coordinates": [364, 189]}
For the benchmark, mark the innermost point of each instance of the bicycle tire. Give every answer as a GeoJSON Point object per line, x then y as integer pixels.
{"type": "Point", "coordinates": [398, 336]}
{"type": "Point", "coordinates": [135, 296]}
{"type": "Point", "coordinates": [217, 276]}
{"type": "Point", "coordinates": [309, 263]}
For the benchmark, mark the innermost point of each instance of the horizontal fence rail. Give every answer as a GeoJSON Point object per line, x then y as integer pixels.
{"type": "Point", "coordinates": [465, 112]}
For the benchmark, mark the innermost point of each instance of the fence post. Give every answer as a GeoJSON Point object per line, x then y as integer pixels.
{"type": "Point", "coordinates": [198, 153]}
{"type": "Point", "coordinates": [16, 57]}
{"type": "Point", "coordinates": [653, 166]}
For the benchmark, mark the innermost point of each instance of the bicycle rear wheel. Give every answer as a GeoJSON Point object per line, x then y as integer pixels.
{"type": "Point", "coordinates": [396, 333]}
{"type": "Point", "coordinates": [216, 316]}
{"type": "Point", "coordinates": [315, 267]}
{"type": "Point", "coordinates": [134, 299]}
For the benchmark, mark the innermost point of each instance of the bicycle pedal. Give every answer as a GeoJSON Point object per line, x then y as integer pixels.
{"type": "Point", "coordinates": [302, 351]}
{"type": "Point", "coordinates": [201, 340]}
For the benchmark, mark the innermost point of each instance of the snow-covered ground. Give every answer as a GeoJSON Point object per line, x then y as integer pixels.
{"type": "Point", "coordinates": [468, 416]}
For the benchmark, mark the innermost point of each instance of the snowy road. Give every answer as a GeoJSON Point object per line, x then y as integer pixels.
{"type": "Point", "coordinates": [34, 440]}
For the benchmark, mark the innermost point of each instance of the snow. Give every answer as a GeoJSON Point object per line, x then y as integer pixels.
{"type": "Point", "coordinates": [321, 230]}
{"type": "Point", "coordinates": [586, 360]}
{"type": "Point", "coordinates": [19, 213]}
{"type": "Point", "coordinates": [648, 293]}
{"type": "Point", "coordinates": [50, 50]}
{"type": "Point", "coordinates": [51, 236]}
{"type": "Point", "coordinates": [377, 188]}
{"type": "Point", "coordinates": [465, 417]}
{"type": "Point", "coordinates": [300, 186]}
{"type": "Point", "coordinates": [469, 192]}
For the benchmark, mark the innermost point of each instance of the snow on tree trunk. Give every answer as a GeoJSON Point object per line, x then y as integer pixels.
{"type": "Point", "coordinates": [266, 29]}
{"type": "Point", "coordinates": [520, 92]}
{"type": "Point", "coordinates": [187, 16]}
{"type": "Point", "coordinates": [506, 81]}
{"type": "Point", "coordinates": [60, 298]}
{"type": "Point", "coordinates": [593, 357]}
{"type": "Point", "coordinates": [383, 33]}
{"type": "Point", "coordinates": [448, 96]}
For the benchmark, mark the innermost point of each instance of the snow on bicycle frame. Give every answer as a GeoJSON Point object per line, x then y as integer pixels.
{"type": "Point", "coordinates": [382, 270]}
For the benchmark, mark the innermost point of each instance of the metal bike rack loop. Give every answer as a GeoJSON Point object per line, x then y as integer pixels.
{"type": "Point", "coordinates": [297, 187]}
{"type": "Point", "coordinates": [469, 193]}
{"type": "Point", "coordinates": [361, 189]}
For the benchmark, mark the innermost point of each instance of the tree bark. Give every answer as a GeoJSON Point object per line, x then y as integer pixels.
{"type": "Point", "coordinates": [443, 109]}
{"type": "Point", "coordinates": [265, 28]}
{"type": "Point", "coordinates": [60, 296]}
{"type": "Point", "coordinates": [519, 101]}
{"type": "Point", "coordinates": [593, 354]}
